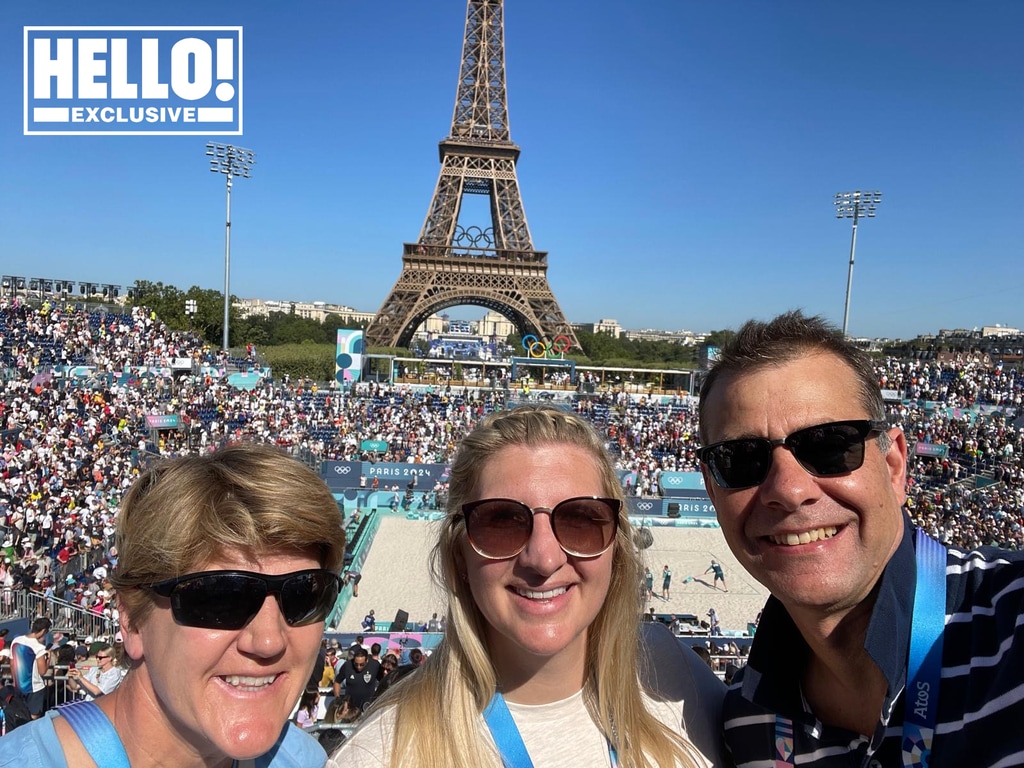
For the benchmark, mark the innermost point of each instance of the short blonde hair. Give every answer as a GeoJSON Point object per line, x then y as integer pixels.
{"type": "Point", "coordinates": [249, 498]}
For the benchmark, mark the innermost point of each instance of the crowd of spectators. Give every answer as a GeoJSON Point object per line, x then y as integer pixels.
{"type": "Point", "coordinates": [73, 439]}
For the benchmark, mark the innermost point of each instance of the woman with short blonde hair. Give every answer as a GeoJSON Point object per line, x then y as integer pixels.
{"type": "Point", "coordinates": [228, 566]}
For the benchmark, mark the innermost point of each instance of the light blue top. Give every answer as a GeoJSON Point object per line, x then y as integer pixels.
{"type": "Point", "coordinates": [35, 745]}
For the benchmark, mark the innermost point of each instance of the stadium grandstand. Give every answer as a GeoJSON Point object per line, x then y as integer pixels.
{"type": "Point", "coordinates": [90, 395]}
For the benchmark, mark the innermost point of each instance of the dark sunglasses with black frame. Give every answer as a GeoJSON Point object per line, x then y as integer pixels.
{"type": "Point", "coordinates": [824, 450]}
{"type": "Point", "coordinates": [584, 526]}
{"type": "Point", "coordinates": [231, 599]}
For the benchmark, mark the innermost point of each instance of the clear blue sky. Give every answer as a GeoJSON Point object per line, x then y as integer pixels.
{"type": "Point", "coordinates": [679, 157]}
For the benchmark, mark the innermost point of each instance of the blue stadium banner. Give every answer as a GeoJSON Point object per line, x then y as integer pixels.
{"type": "Point", "coordinates": [682, 485]}
{"type": "Point", "coordinates": [686, 493]}
{"type": "Point", "coordinates": [681, 480]}
{"type": "Point", "coordinates": [690, 508]}
{"type": "Point", "coordinates": [340, 475]}
{"type": "Point", "coordinates": [246, 380]}
{"type": "Point", "coordinates": [348, 359]}
{"type": "Point", "coordinates": [670, 508]}
{"type": "Point", "coordinates": [641, 507]}
{"type": "Point", "coordinates": [392, 472]}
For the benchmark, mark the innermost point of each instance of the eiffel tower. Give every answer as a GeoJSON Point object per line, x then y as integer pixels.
{"type": "Point", "coordinates": [494, 267]}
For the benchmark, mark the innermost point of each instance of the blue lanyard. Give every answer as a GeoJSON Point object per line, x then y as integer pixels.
{"type": "Point", "coordinates": [924, 662]}
{"type": "Point", "coordinates": [100, 739]}
{"type": "Point", "coordinates": [506, 734]}
{"type": "Point", "coordinates": [924, 666]}
{"type": "Point", "coordinates": [510, 742]}
{"type": "Point", "coordinates": [96, 733]}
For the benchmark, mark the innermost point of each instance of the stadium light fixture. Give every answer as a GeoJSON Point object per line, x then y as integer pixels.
{"type": "Point", "coordinates": [191, 307]}
{"type": "Point", "coordinates": [231, 161]}
{"type": "Point", "coordinates": [854, 205]}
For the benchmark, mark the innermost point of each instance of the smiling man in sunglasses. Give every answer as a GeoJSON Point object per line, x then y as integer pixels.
{"type": "Point", "coordinates": [228, 566]}
{"type": "Point", "coordinates": [878, 647]}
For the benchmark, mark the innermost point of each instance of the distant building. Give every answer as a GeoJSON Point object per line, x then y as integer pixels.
{"type": "Point", "coordinates": [608, 326]}
{"type": "Point", "coordinates": [433, 324]}
{"type": "Point", "coordinates": [318, 311]}
{"type": "Point", "coordinates": [999, 330]}
{"type": "Point", "coordinates": [974, 333]}
{"type": "Point", "coordinates": [496, 325]}
{"type": "Point", "coordinates": [686, 338]}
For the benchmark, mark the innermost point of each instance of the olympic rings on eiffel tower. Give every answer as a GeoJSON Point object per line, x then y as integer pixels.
{"type": "Point", "coordinates": [539, 349]}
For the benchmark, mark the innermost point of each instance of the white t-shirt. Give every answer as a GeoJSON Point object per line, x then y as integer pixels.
{"type": "Point", "coordinates": [563, 735]}
{"type": "Point", "coordinates": [107, 681]}
{"type": "Point", "coordinates": [36, 649]}
{"type": "Point", "coordinates": [557, 735]}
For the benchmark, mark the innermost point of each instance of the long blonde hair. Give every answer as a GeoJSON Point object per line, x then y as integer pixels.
{"type": "Point", "coordinates": [437, 723]}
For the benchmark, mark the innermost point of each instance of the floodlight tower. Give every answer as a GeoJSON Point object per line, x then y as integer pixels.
{"type": "Point", "coordinates": [231, 161]}
{"type": "Point", "coordinates": [854, 205]}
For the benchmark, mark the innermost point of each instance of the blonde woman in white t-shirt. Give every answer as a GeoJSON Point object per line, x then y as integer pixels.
{"type": "Point", "coordinates": [544, 653]}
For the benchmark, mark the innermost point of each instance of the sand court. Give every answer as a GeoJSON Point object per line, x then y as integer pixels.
{"type": "Point", "coordinates": [688, 552]}
{"type": "Point", "coordinates": [396, 576]}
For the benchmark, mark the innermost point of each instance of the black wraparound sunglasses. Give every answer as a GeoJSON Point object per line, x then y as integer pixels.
{"type": "Point", "coordinates": [824, 450]}
{"type": "Point", "coordinates": [231, 599]}
{"type": "Point", "coordinates": [584, 526]}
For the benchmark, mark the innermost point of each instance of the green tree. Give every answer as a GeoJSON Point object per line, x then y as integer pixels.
{"type": "Point", "coordinates": [332, 323]}
{"type": "Point", "coordinates": [168, 303]}
{"type": "Point", "coordinates": [209, 318]}
{"type": "Point", "coordinates": [292, 329]}
{"type": "Point", "coordinates": [315, 361]}
{"type": "Point", "coordinates": [719, 338]}
{"type": "Point", "coordinates": [602, 347]}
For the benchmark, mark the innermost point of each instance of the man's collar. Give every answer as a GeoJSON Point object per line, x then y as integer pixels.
{"type": "Point", "coordinates": [779, 652]}
{"type": "Point", "coordinates": [888, 636]}
{"type": "Point", "coordinates": [777, 657]}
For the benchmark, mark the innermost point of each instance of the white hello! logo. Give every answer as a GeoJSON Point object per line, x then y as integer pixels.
{"type": "Point", "coordinates": [157, 81]}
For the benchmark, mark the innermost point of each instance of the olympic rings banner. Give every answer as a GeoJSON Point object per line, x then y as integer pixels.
{"type": "Point", "coordinates": [667, 510]}
{"type": "Point", "coordinates": [686, 485]}
{"type": "Point", "coordinates": [341, 474]}
{"type": "Point", "coordinates": [552, 350]}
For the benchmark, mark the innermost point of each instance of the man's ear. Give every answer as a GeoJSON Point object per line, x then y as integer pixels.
{"type": "Point", "coordinates": [709, 484]}
{"type": "Point", "coordinates": [896, 461]}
